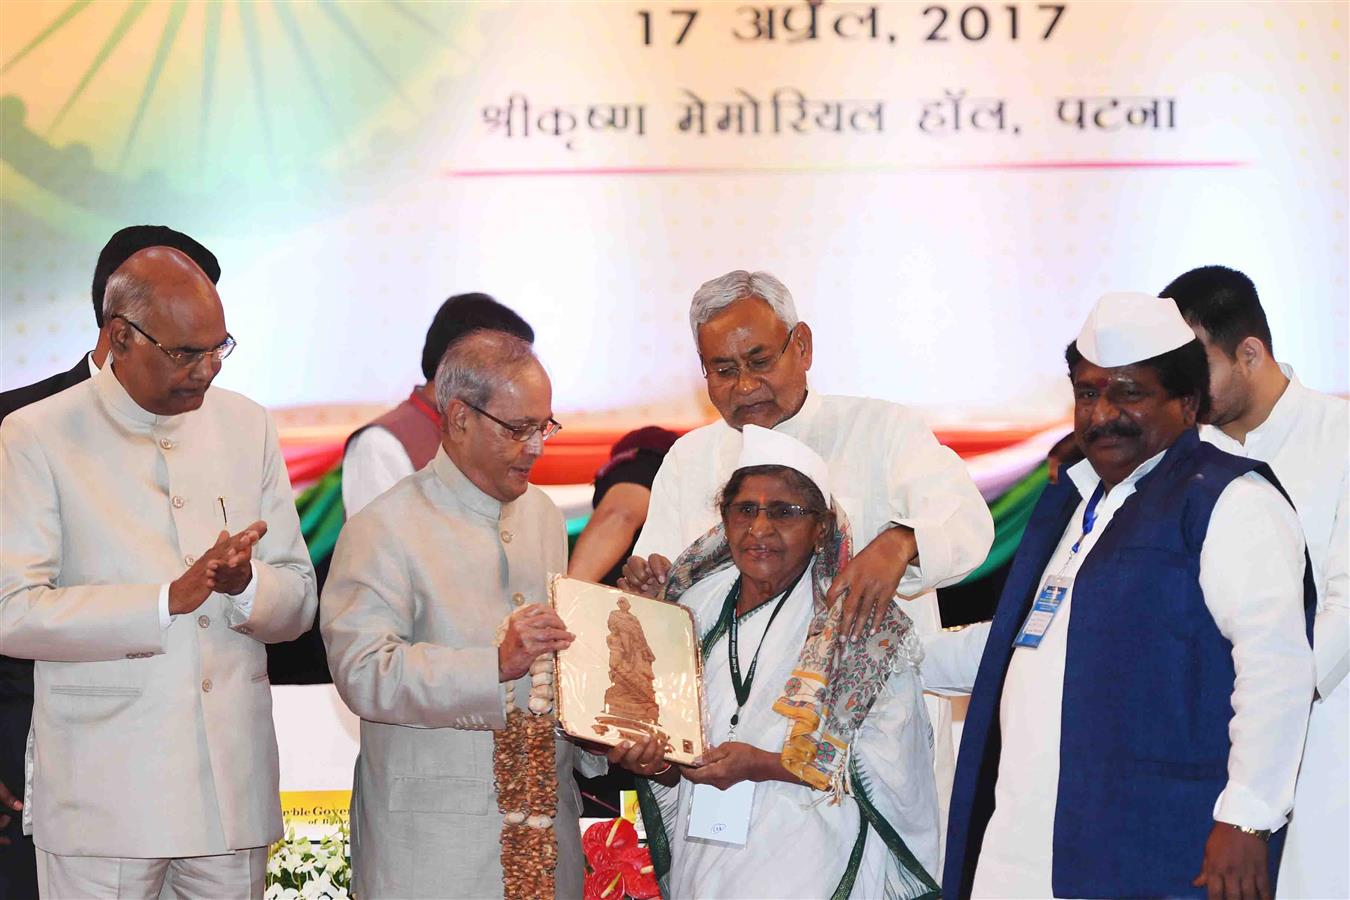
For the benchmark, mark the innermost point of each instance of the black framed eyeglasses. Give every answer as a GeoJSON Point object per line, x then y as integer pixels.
{"type": "Point", "coordinates": [758, 365]}
{"type": "Point", "coordinates": [522, 433]}
{"type": "Point", "coordinates": [186, 358]}
{"type": "Point", "coordinates": [744, 514]}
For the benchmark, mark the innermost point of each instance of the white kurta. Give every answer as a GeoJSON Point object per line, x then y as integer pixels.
{"type": "Point", "coordinates": [1251, 572]}
{"type": "Point", "coordinates": [374, 462]}
{"type": "Point", "coordinates": [1305, 439]}
{"type": "Point", "coordinates": [799, 844]}
{"type": "Point", "coordinates": [886, 468]}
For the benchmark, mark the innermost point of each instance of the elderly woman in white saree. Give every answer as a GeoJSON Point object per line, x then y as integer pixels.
{"type": "Point", "coordinates": [833, 734]}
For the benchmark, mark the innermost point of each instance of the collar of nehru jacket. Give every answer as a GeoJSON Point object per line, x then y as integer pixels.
{"type": "Point", "coordinates": [125, 409]}
{"type": "Point", "coordinates": [464, 491]}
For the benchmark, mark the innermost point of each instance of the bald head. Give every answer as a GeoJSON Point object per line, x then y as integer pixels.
{"type": "Point", "coordinates": [160, 309]}
{"type": "Point", "coordinates": [155, 272]}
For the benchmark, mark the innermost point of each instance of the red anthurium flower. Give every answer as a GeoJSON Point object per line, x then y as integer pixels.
{"type": "Point", "coordinates": [616, 834]}
{"type": "Point", "coordinates": [604, 884]}
{"type": "Point", "coordinates": [639, 876]}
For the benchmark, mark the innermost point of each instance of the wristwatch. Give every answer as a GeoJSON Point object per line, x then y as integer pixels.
{"type": "Point", "coordinates": [1262, 833]}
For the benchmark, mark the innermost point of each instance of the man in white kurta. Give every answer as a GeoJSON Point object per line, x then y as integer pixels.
{"type": "Point", "coordinates": [152, 755]}
{"type": "Point", "coordinates": [897, 476]}
{"type": "Point", "coordinates": [1262, 411]}
{"type": "Point", "coordinates": [1304, 440]}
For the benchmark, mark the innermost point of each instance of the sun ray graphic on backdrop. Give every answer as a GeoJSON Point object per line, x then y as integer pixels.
{"type": "Point", "coordinates": [116, 106]}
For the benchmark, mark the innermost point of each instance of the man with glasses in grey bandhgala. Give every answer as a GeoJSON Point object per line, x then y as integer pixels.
{"type": "Point", "coordinates": [151, 546]}
{"type": "Point", "coordinates": [436, 602]}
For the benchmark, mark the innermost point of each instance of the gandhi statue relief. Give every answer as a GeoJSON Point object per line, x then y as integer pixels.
{"type": "Point", "coordinates": [631, 694]}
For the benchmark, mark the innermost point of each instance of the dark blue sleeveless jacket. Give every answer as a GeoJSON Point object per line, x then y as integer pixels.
{"type": "Point", "coordinates": [1147, 687]}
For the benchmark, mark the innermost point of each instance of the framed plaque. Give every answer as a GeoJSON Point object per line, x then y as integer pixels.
{"type": "Point", "coordinates": [634, 669]}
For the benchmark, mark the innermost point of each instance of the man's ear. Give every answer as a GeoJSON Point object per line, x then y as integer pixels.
{"type": "Point", "coordinates": [119, 335]}
{"type": "Point", "coordinates": [1190, 408]}
{"type": "Point", "coordinates": [455, 418]}
{"type": "Point", "coordinates": [1251, 353]}
{"type": "Point", "coordinates": [803, 340]}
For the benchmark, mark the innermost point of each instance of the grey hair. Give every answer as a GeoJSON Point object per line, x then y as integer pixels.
{"type": "Point", "coordinates": [127, 296]}
{"type": "Point", "coordinates": [475, 365]}
{"type": "Point", "coordinates": [719, 293]}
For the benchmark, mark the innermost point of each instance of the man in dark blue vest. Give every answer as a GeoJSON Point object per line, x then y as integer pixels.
{"type": "Point", "coordinates": [1143, 694]}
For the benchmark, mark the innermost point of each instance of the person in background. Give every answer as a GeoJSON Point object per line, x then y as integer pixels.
{"type": "Point", "coordinates": [405, 438]}
{"type": "Point", "coordinates": [1143, 691]}
{"type": "Point", "coordinates": [130, 573]}
{"type": "Point", "coordinates": [623, 488]}
{"type": "Point", "coordinates": [18, 867]}
{"type": "Point", "coordinates": [1260, 410]}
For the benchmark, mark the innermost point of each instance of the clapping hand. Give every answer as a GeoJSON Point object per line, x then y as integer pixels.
{"type": "Point", "coordinates": [645, 576]}
{"type": "Point", "coordinates": [225, 567]}
{"type": "Point", "coordinates": [236, 570]}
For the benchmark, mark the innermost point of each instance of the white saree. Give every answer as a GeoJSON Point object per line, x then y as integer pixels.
{"type": "Point", "coordinates": [799, 844]}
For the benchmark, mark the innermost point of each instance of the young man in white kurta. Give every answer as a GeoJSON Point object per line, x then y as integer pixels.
{"type": "Point", "coordinates": [1304, 441]}
{"type": "Point", "coordinates": [898, 474]}
{"type": "Point", "coordinates": [1251, 564]}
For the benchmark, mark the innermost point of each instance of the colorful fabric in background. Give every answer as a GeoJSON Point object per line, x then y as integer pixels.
{"type": "Point", "coordinates": [1008, 467]}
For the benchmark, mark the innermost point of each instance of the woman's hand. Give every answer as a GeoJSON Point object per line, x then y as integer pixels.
{"type": "Point", "coordinates": [734, 762]}
{"type": "Point", "coordinates": [646, 759]}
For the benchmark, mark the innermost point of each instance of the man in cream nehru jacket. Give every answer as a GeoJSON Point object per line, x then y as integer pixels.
{"type": "Point", "coordinates": [423, 578]}
{"type": "Point", "coordinates": [151, 546]}
{"type": "Point", "coordinates": [1140, 705]}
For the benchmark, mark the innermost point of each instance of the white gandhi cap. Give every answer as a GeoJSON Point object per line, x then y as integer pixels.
{"type": "Point", "coordinates": [765, 447]}
{"type": "Point", "coordinates": [1128, 328]}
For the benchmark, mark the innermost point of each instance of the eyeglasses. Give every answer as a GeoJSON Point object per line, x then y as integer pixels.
{"type": "Point", "coordinates": [759, 365]}
{"type": "Point", "coordinates": [522, 433]}
{"type": "Point", "coordinates": [186, 358]}
{"type": "Point", "coordinates": [744, 514]}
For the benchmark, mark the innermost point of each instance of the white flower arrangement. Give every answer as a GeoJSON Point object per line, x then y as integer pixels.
{"type": "Point", "coordinates": [299, 869]}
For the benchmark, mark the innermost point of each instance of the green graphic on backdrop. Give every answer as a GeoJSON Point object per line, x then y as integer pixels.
{"type": "Point", "coordinates": [269, 114]}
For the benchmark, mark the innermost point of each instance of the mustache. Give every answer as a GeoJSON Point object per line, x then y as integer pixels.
{"type": "Point", "coordinates": [1118, 428]}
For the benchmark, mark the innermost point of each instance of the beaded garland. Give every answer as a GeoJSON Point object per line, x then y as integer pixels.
{"type": "Point", "coordinates": [525, 767]}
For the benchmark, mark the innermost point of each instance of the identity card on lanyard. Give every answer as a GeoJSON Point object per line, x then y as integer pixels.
{"type": "Point", "coordinates": [721, 816]}
{"type": "Point", "coordinates": [1056, 587]}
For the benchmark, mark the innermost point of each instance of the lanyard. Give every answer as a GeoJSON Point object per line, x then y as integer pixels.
{"type": "Point", "coordinates": [739, 686]}
{"type": "Point", "coordinates": [1090, 515]}
{"type": "Point", "coordinates": [1056, 587]}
